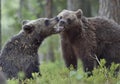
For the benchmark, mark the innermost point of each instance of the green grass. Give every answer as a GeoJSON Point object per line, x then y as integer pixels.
{"type": "Point", "coordinates": [57, 73]}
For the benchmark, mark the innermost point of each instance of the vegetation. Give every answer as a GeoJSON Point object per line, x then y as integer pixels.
{"type": "Point", "coordinates": [14, 11]}
{"type": "Point", "coordinates": [56, 73]}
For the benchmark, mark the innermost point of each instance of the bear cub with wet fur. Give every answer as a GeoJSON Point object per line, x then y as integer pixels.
{"type": "Point", "coordinates": [88, 38]}
{"type": "Point", "coordinates": [20, 53]}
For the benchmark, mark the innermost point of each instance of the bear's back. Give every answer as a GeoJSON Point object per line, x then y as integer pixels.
{"type": "Point", "coordinates": [106, 29]}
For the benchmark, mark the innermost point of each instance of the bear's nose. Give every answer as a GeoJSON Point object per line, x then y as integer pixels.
{"type": "Point", "coordinates": [62, 22]}
{"type": "Point", "coordinates": [57, 19]}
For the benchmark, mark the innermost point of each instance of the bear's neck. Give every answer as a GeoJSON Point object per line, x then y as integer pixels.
{"type": "Point", "coordinates": [73, 32]}
{"type": "Point", "coordinates": [27, 42]}
{"type": "Point", "coordinates": [78, 32]}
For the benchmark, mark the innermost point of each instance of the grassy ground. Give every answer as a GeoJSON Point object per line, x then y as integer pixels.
{"type": "Point", "coordinates": [57, 73]}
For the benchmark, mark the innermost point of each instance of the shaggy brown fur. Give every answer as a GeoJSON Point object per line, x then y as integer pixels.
{"type": "Point", "coordinates": [86, 37]}
{"type": "Point", "coordinates": [21, 52]}
{"type": "Point", "coordinates": [108, 39]}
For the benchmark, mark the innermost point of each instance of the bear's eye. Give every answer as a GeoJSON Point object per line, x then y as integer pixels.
{"type": "Point", "coordinates": [69, 21]}
{"type": "Point", "coordinates": [47, 22]}
{"type": "Point", "coordinates": [60, 17]}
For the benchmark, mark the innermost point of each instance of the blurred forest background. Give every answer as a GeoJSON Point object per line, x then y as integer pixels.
{"type": "Point", "coordinates": [14, 11]}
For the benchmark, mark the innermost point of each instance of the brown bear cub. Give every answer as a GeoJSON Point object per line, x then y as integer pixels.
{"type": "Point", "coordinates": [21, 52]}
{"type": "Point", "coordinates": [88, 37]}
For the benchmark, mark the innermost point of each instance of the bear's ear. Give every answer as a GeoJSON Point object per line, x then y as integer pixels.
{"type": "Point", "coordinates": [79, 13]}
{"type": "Point", "coordinates": [24, 22]}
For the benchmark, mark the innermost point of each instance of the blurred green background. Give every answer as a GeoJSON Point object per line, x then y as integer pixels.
{"type": "Point", "coordinates": [14, 11]}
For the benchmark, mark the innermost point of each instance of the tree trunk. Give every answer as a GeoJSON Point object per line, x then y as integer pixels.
{"type": "Point", "coordinates": [110, 9]}
{"type": "Point", "coordinates": [40, 13]}
{"type": "Point", "coordinates": [0, 27]}
{"type": "Point", "coordinates": [50, 53]}
{"type": "Point", "coordinates": [48, 8]}
{"type": "Point", "coordinates": [21, 4]}
{"type": "Point", "coordinates": [80, 4]}
{"type": "Point", "coordinates": [48, 14]}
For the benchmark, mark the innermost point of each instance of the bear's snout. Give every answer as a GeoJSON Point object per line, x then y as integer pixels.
{"type": "Point", "coordinates": [62, 22]}
{"type": "Point", "coordinates": [57, 19]}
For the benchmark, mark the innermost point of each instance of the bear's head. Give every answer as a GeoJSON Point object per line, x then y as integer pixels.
{"type": "Point", "coordinates": [68, 19]}
{"type": "Point", "coordinates": [41, 26]}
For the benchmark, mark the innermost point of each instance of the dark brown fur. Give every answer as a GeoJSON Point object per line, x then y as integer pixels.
{"type": "Point", "coordinates": [87, 38]}
{"type": "Point", "coordinates": [108, 39]}
{"type": "Point", "coordinates": [21, 52]}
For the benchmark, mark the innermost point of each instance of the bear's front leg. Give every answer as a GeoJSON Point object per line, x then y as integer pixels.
{"type": "Point", "coordinates": [68, 55]}
{"type": "Point", "coordinates": [33, 68]}
{"type": "Point", "coordinates": [88, 65]}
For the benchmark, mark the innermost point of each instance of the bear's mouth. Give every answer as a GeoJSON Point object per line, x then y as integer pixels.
{"type": "Point", "coordinates": [62, 25]}
{"type": "Point", "coordinates": [60, 28]}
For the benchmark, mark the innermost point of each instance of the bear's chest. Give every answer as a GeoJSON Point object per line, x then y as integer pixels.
{"type": "Point", "coordinates": [72, 35]}
{"type": "Point", "coordinates": [80, 47]}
